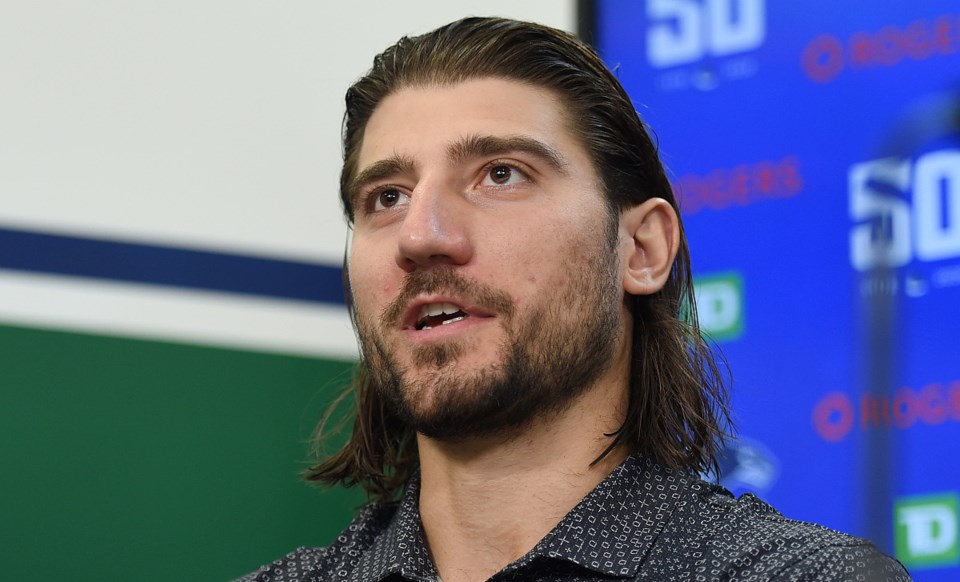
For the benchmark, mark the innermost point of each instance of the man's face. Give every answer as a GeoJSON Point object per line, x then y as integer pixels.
{"type": "Point", "coordinates": [483, 264]}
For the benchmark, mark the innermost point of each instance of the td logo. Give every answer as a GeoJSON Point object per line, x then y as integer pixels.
{"type": "Point", "coordinates": [925, 528]}
{"type": "Point", "coordinates": [720, 305]}
{"type": "Point", "coordinates": [685, 31]}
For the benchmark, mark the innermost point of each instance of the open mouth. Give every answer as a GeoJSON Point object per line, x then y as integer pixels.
{"type": "Point", "coordinates": [436, 314]}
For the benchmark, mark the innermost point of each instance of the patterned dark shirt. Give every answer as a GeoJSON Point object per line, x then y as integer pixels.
{"type": "Point", "coordinates": [643, 522]}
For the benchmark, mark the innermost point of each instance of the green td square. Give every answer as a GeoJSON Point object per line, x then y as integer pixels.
{"type": "Point", "coordinates": [925, 528]}
{"type": "Point", "coordinates": [720, 305]}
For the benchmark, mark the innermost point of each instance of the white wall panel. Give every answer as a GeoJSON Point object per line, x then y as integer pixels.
{"type": "Point", "coordinates": [209, 124]}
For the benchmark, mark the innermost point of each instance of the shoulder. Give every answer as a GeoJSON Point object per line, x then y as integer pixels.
{"type": "Point", "coordinates": [301, 564]}
{"type": "Point", "coordinates": [746, 538]}
{"type": "Point", "coordinates": [861, 561]}
{"type": "Point", "coordinates": [332, 562]}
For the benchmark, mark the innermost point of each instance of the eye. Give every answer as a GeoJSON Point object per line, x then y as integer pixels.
{"type": "Point", "coordinates": [503, 175]}
{"type": "Point", "coordinates": [387, 198]}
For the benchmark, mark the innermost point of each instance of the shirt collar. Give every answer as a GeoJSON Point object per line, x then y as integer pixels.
{"type": "Point", "coordinates": [610, 531]}
{"type": "Point", "coordinates": [613, 528]}
{"type": "Point", "coordinates": [401, 548]}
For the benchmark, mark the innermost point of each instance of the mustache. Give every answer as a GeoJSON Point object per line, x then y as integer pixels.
{"type": "Point", "coordinates": [445, 279]}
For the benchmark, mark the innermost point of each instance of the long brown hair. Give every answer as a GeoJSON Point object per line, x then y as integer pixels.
{"type": "Point", "coordinates": [677, 410]}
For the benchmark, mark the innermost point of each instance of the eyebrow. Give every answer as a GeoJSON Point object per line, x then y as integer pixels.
{"type": "Point", "coordinates": [479, 146]}
{"type": "Point", "coordinates": [380, 170]}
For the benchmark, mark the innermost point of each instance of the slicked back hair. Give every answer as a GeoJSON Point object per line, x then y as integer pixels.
{"type": "Point", "coordinates": [677, 412]}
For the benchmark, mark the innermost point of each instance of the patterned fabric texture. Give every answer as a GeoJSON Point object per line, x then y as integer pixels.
{"type": "Point", "coordinates": [643, 522]}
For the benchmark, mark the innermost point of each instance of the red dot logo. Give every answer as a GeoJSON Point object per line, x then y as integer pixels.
{"type": "Point", "coordinates": [823, 58]}
{"type": "Point", "coordinates": [833, 416]}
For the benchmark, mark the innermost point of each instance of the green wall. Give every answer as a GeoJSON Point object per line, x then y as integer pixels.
{"type": "Point", "coordinates": [140, 460]}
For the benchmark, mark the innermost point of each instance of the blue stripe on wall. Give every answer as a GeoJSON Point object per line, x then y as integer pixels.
{"type": "Point", "coordinates": [176, 267]}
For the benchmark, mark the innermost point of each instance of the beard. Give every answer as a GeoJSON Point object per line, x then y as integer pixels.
{"type": "Point", "coordinates": [550, 355]}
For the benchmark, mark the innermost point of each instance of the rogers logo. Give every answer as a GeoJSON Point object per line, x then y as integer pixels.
{"type": "Point", "coordinates": [740, 185]}
{"type": "Point", "coordinates": [836, 415]}
{"type": "Point", "coordinates": [826, 56]}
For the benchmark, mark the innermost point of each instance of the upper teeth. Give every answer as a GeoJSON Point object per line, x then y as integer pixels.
{"type": "Point", "coordinates": [435, 309]}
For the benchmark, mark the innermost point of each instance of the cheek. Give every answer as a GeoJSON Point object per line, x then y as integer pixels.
{"type": "Point", "coordinates": [369, 267]}
{"type": "Point", "coordinates": [541, 258]}
{"type": "Point", "coordinates": [366, 289]}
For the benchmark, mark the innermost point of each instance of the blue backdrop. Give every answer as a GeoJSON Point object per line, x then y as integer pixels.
{"type": "Point", "coordinates": [815, 148]}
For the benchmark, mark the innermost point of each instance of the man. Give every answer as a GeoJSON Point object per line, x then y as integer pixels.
{"type": "Point", "coordinates": [534, 398]}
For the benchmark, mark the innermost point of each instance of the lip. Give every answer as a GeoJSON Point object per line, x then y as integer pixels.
{"type": "Point", "coordinates": [411, 314]}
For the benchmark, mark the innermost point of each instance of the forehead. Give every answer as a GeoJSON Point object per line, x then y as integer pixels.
{"type": "Point", "coordinates": [420, 121]}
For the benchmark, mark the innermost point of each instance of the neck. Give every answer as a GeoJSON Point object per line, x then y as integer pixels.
{"type": "Point", "coordinates": [487, 502]}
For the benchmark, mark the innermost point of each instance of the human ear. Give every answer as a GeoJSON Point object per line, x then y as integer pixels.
{"type": "Point", "coordinates": [650, 237]}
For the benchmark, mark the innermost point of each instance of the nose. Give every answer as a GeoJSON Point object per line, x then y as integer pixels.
{"type": "Point", "coordinates": [434, 230]}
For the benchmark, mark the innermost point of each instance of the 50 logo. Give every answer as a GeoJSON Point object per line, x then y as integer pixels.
{"type": "Point", "coordinates": [905, 210]}
{"type": "Point", "coordinates": [684, 31]}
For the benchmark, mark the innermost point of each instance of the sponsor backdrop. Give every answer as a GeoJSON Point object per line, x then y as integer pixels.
{"type": "Point", "coordinates": [171, 316]}
{"type": "Point", "coordinates": [816, 151]}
